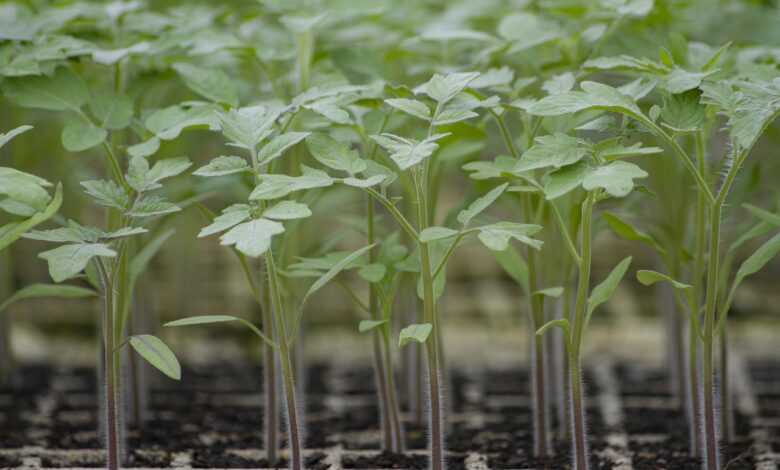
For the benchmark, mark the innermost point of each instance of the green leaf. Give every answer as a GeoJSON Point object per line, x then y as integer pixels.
{"type": "Point", "coordinates": [212, 84]}
{"type": "Point", "coordinates": [202, 320]}
{"type": "Point", "coordinates": [680, 80]}
{"type": "Point", "coordinates": [553, 292]}
{"type": "Point", "coordinates": [372, 272]}
{"type": "Point", "coordinates": [758, 259]}
{"type": "Point", "coordinates": [157, 354]}
{"type": "Point", "coordinates": [230, 217]}
{"type": "Point", "coordinates": [334, 154]}
{"type": "Point", "coordinates": [67, 261]}
{"type": "Point", "coordinates": [150, 206]}
{"type": "Point", "coordinates": [514, 265]}
{"type": "Point", "coordinates": [11, 232]}
{"type": "Point", "coordinates": [252, 238]}
{"type": "Point", "coordinates": [407, 153]}
{"type": "Point", "coordinates": [38, 291]}
{"type": "Point", "coordinates": [247, 127]}
{"type": "Point", "coordinates": [602, 292]}
{"type": "Point", "coordinates": [334, 271]}
{"type": "Point", "coordinates": [25, 188]}
{"type": "Point", "coordinates": [648, 278]}
{"type": "Point", "coordinates": [417, 332]}
{"type": "Point", "coordinates": [443, 88]}
{"type": "Point", "coordinates": [5, 138]}
{"type": "Point", "coordinates": [561, 323]}
{"type": "Point", "coordinates": [617, 178]}
{"type": "Point", "coordinates": [436, 233]}
{"type": "Point", "coordinates": [279, 144]}
{"type": "Point", "coordinates": [62, 91]}
{"type": "Point", "coordinates": [625, 63]}
{"type": "Point", "coordinates": [413, 107]}
{"type": "Point", "coordinates": [626, 231]}
{"type": "Point", "coordinates": [564, 180]}
{"type": "Point", "coordinates": [287, 210]}
{"type": "Point", "coordinates": [274, 186]}
{"type": "Point", "coordinates": [143, 178]}
{"type": "Point", "coordinates": [364, 183]}
{"type": "Point", "coordinates": [557, 150]}
{"type": "Point", "coordinates": [764, 215]}
{"type": "Point", "coordinates": [526, 30]}
{"type": "Point", "coordinates": [113, 111]}
{"type": "Point", "coordinates": [368, 325]}
{"type": "Point", "coordinates": [223, 165]}
{"type": "Point", "coordinates": [496, 236]}
{"type": "Point", "coordinates": [593, 96]}
{"type": "Point", "coordinates": [480, 204]}
{"type": "Point", "coordinates": [107, 193]}
{"type": "Point", "coordinates": [144, 149]}
{"type": "Point", "coordinates": [683, 112]}
{"type": "Point", "coordinates": [78, 136]}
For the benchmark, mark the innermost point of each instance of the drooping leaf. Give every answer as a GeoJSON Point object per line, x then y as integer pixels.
{"type": "Point", "coordinates": [368, 325]}
{"type": "Point", "coordinates": [157, 354]}
{"type": "Point", "coordinates": [412, 107]}
{"type": "Point", "coordinates": [278, 145]}
{"type": "Point", "coordinates": [38, 291]}
{"type": "Point", "coordinates": [763, 215]}
{"type": "Point", "coordinates": [67, 261]}
{"type": "Point", "coordinates": [602, 292]}
{"type": "Point", "coordinates": [555, 151]}
{"type": "Point", "coordinates": [496, 236]}
{"type": "Point", "coordinates": [758, 259]}
{"type": "Point", "coordinates": [417, 332]}
{"type": "Point", "coordinates": [648, 278]}
{"type": "Point", "coordinates": [5, 138]}
{"type": "Point", "coordinates": [252, 238]}
{"type": "Point", "coordinates": [334, 271]}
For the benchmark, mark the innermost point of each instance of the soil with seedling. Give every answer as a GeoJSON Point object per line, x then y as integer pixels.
{"type": "Point", "coordinates": [212, 419]}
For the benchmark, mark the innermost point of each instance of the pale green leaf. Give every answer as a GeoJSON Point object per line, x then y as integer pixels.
{"type": "Point", "coordinates": [157, 354]}
{"type": "Point", "coordinates": [279, 144]}
{"type": "Point", "coordinates": [648, 278]}
{"type": "Point", "coordinates": [287, 210]}
{"type": "Point", "coordinates": [38, 291]}
{"type": "Point", "coordinates": [223, 165]}
{"type": "Point", "coordinates": [480, 204]}
{"type": "Point", "coordinates": [252, 238]}
{"type": "Point", "coordinates": [556, 150]}
{"type": "Point", "coordinates": [62, 91]}
{"type": "Point", "coordinates": [436, 233]}
{"type": "Point", "coordinates": [602, 292]}
{"type": "Point", "coordinates": [758, 259]}
{"type": "Point", "coordinates": [5, 138]}
{"type": "Point", "coordinates": [417, 332]}
{"type": "Point", "coordinates": [67, 261]}
{"type": "Point", "coordinates": [412, 107]}
{"type": "Point", "coordinates": [274, 186]}
{"type": "Point", "coordinates": [368, 325]}
{"type": "Point", "coordinates": [212, 84]}
{"type": "Point", "coordinates": [617, 178]}
{"type": "Point", "coordinates": [334, 154]}
{"type": "Point", "coordinates": [496, 236]}
{"type": "Point", "coordinates": [78, 135]}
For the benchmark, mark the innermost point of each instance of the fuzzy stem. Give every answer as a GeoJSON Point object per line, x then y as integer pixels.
{"type": "Point", "coordinates": [579, 431]}
{"type": "Point", "coordinates": [110, 355]}
{"type": "Point", "coordinates": [694, 402]}
{"type": "Point", "coordinates": [269, 384]}
{"type": "Point", "coordinates": [726, 409]}
{"type": "Point", "coordinates": [288, 374]}
{"type": "Point", "coordinates": [395, 415]}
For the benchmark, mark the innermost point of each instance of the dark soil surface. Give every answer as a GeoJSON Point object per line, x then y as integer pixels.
{"type": "Point", "coordinates": [214, 417]}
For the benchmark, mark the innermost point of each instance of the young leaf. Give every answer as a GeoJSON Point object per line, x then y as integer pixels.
{"type": "Point", "coordinates": [372, 272]}
{"type": "Point", "coordinates": [247, 127]}
{"type": "Point", "coordinates": [593, 96]}
{"type": "Point", "coordinates": [334, 154]}
{"type": "Point", "coordinates": [157, 354]}
{"type": "Point", "coordinates": [79, 135]}
{"type": "Point", "coordinates": [150, 206]}
{"type": "Point", "coordinates": [144, 149]}
{"type": "Point", "coordinates": [275, 186]}
{"type": "Point", "coordinates": [412, 107]}
{"type": "Point", "coordinates": [38, 291]}
{"type": "Point", "coordinates": [9, 233]}
{"type": "Point", "coordinates": [113, 111]}
{"type": "Point", "coordinates": [553, 292]}
{"type": "Point", "coordinates": [5, 138]}
{"type": "Point", "coordinates": [67, 261]}
{"type": "Point", "coordinates": [334, 271]}
{"type": "Point", "coordinates": [758, 259]}
{"type": "Point", "coordinates": [287, 210]}
{"type": "Point", "coordinates": [252, 238]}
{"type": "Point", "coordinates": [617, 178]}
{"type": "Point", "coordinates": [496, 236]}
{"type": "Point", "coordinates": [626, 231]}
{"type": "Point", "coordinates": [443, 88]}
{"type": "Point", "coordinates": [564, 180]}
{"type": "Point", "coordinates": [602, 292]}
{"type": "Point", "coordinates": [208, 319]}
{"type": "Point", "coordinates": [364, 183]}
{"type": "Point", "coordinates": [62, 91]}
{"type": "Point", "coordinates": [475, 208]}
{"type": "Point", "coordinates": [648, 278]}
{"type": "Point", "coordinates": [436, 233]}
{"type": "Point", "coordinates": [417, 332]}
{"type": "Point", "coordinates": [223, 165]}
{"type": "Point", "coordinates": [107, 193]}
{"type": "Point", "coordinates": [278, 145]}
{"type": "Point", "coordinates": [407, 153]}
{"type": "Point", "coordinates": [230, 217]}
{"type": "Point", "coordinates": [212, 84]}
{"type": "Point", "coordinates": [368, 325]}
{"type": "Point", "coordinates": [555, 150]}
{"type": "Point", "coordinates": [142, 178]}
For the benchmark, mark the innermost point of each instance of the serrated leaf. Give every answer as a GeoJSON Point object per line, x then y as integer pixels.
{"type": "Point", "coordinates": [416, 332]}
{"type": "Point", "coordinates": [143, 178]}
{"type": "Point", "coordinates": [364, 183]}
{"type": "Point", "coordinates": [443, 88]}
{"type": "Point", "coordinates": [480, 204]}
{"type": "Point", "coordinates": [556, 150]}
{"type": "Point", "coordinates": [67, 261]}
{"type": "Point", "coordinates": [407, 153]}
{"type": "Point", "coordinates": [212, 84]}
{"type": "Point", "coordinates": [617, 178]}
{"type": "Point", "coordinates": [592, 96]}
{"type": "Point", "coordinates": [564, 180]}
{"type": "Point", "coordinates": [275, 186]}
{"type": "Point", "coordinates": [334, 154]}
{"type": "Point", "coordinates": [223, 165]}
{"type": "Point", "coordinates": [368, 325]}
{"type": "Point", "coordinates": [680, 80]}
{"type": "Point", "coordinates": [168, 123]}
{"type": "Point", "coordinates": [24, 187]}
{"type": "Point", "coordinates": [150, 206]}
{"type": "Point", "coordinates": [648, 278]}
{"type": "Point", "coordinates": [602, 292]}
{"type": "Point", "coordinates": [78, 136]}
{"type": "Point", "coordinates": [496, 236]}
{"type": "Point", "coordinates": [38, 291]}
{"type": "Point", "coordinates": [247, 127]}
{"type": "Point", "coordinates": [107, 193]}
{"type": "Point", "coordinates": [230, 217]}
{"type": "Point", "coordinates": [252, 238]}
{"type": "Point", "coordinates": [279, 144]}
{"type": "Point", "coordinates": [157, 354]}
{"type": "Point", "coordinates": [287, 210]}
{"type": "Point", "coordinates": [413, 107]}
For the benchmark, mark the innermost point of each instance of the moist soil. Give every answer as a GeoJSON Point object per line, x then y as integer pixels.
{"type": "Point", "coordinates": [214, 418]}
